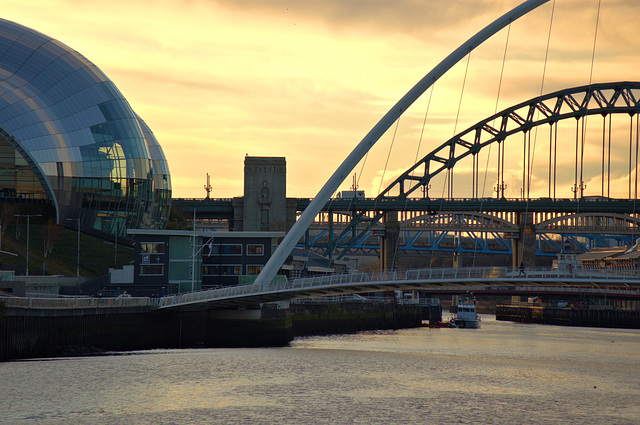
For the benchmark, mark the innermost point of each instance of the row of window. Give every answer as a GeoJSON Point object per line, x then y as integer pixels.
{"type": "Point", "coordinates": [218, 270]}
{"type": "Point", "coordinates": [217, 249]}
{"type": "Point", "coordinates": [152, 248]}
{"type": "Point", "coordinates": [234, 249]}
{"type": "Point", "coordinates": [230, 270]}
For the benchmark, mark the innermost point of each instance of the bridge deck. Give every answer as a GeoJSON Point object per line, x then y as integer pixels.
{"type": "Point", "coordinates": [588, 281]}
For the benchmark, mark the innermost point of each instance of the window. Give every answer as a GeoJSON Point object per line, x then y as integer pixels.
{"type": "Point", "coordinates": [235, 249]}
{"type": "Point", "coordinates": [152, 270]}
{"type": "Point", "coordinates": [254, 269]}
{"type": "Point", "coordinates": [231, 270]}
{"type": "Point", "coordinates": [209, 270]}
{"type": "Point", "coordinates": [218, 270]}
{"type": "Point", "coordinates": [255, 249]}
{"type": "Point", "coordinates": [152, 247]}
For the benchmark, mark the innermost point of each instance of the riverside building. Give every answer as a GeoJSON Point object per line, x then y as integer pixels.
{"type": "Point", "coordinates": [69, 139]}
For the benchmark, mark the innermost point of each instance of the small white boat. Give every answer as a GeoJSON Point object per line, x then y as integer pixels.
{"type": "Point", "coordinates": [466, 317]}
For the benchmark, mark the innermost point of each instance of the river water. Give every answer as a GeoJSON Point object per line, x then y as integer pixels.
{"type": "Point", "coordinates": [503, 373]}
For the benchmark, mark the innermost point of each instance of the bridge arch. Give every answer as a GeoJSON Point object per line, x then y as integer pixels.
{"type": "Point", "coordinates": [286, 246]}
{"type": "Point", "coordinates": [477, 220]}
{"type": "Point", "coordinates": [602, 99]}
{"type": "Point", "coordinates": [603, 223]}
{"type": "Point", "coordinates": [577, 102]}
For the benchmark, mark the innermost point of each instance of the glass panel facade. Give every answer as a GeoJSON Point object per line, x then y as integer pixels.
{"type": "Point", "coordinates": [67, 134]}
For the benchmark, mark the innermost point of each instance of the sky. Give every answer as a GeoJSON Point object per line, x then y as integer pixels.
{"type": "Point", "coordinates": [216, 80]}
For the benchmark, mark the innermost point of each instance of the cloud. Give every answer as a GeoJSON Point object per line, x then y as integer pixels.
{"type": "Point", "coordinates": [405, 16]}
{"type": "Point", "coordinates": [216, 79]}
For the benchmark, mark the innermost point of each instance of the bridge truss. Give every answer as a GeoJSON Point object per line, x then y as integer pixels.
{"type": "Point", "coordinates": [481, 233]}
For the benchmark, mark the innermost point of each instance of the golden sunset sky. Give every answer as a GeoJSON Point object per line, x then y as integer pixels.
{"type": "Point", "coordinates": [218, 79]}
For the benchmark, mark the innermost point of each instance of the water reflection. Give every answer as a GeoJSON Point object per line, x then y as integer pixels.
{"type": "Point", "coordinates": [501, 373]}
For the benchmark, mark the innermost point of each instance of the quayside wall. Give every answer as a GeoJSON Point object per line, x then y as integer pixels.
{"type": "Point", "coordinates": [30, 331]}
{"type": "Point", "coordinates": [566, 316]}
{"type": "Point", "coordinates": [314, 318]}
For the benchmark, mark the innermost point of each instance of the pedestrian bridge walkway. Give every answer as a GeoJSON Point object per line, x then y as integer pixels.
{"type": "Point", "coordinates": [474, 278]}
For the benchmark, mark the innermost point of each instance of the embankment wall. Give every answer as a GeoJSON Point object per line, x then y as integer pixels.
{"type": "Point", "coordinates": [592, 317]}
{"type": "Point", "coordinates": [39, 332]}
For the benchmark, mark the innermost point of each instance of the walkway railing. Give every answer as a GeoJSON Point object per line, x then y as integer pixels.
{"type": "Point", "coordinates": [76, 303]}
{"type": "Point", "coordinates": [444, 275]}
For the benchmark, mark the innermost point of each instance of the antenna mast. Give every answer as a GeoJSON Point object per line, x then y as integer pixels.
{"type": "Point", "coordinates": [207, 187]}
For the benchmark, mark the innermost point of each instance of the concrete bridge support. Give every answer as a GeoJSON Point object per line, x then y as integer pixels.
{"type": "Point", "coordinates": [389, 242]}
{"type": "Point", "coordinates": [268, 325]}
{"type": "Point", "coordinates": [524, 245]}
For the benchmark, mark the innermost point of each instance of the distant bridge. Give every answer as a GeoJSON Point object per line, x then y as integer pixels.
{"type": "Point", "coordinates": [430, 225]}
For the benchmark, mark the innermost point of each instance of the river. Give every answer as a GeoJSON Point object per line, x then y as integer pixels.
{"type": "Point", "coordinates": [502, 373]}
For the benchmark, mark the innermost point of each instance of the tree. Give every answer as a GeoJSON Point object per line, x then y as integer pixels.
{"type": "Point", "coordinates": [50, 235]}
{"type": "Point", "coordinates": [6, 216]}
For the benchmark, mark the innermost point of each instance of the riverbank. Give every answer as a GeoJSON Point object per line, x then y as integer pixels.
{"type": "Point", "coordinates": [48, 332]}
{"type": "Point", "coordinates": [587, 316]}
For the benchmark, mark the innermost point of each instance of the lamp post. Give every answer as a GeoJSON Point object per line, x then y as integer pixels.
{"type": "Point", "coordinates": [115, 246]}
{"type": "Point", "coordinates": [77, 231]}
{"type": "Point", "coordinates": [28, 217]}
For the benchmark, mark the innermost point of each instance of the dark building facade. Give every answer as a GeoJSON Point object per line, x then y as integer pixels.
{"type": "Point", "coordinates": [164, 259]}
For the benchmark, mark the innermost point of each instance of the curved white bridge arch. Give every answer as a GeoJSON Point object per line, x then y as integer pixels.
{"type": "Point", "coordinates": [288, 243]}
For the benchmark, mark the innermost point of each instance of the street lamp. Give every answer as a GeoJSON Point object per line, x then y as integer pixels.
{"type": "Point", "coordinates": [78, 231]}
{"type": "Point", "coordinates": [28, 217]}
{"type": "Point", "coordinates": [115, 247]}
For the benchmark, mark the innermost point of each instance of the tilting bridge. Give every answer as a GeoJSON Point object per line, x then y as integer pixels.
{"type": "Point", "coordinates": [478, 279]}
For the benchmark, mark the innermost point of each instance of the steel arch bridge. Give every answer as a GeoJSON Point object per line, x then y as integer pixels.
{"type": "Point", "coordinates": [569, 217]}
{"type": "Point", "coordinates": [597, 99]}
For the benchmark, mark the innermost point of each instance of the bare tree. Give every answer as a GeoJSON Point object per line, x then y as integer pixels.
{"type": "Point", "coordinates": [6, 216]}
{"type": "Point", "coordinates": [50, 235]}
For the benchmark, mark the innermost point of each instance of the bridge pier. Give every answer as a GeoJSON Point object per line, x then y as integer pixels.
{"type": "Point", "coordinates": [266, 325]}
{"type": "Point", "coordinates": [524, 245]}
{"type": "Point", "coordinates": [389, 242]}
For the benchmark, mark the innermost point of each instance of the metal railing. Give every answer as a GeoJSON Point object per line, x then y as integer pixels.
{"type": "Point", "coordinates": [76, 303]}
{"type": "Point", "coordinates": [449, 275]}
{"type": "Point", "coordinates": [334, 299]}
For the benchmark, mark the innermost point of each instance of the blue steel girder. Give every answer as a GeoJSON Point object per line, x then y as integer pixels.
{"type": "Point", "coordinates": [546, 244]}
{"type": "Point", "coordinates": [577, 102]}
{"type": "Point", "coordinates": [317, 237]}
{"type": "Point", "coordinates": [357, 234]}
{"type": "Point", "coordinates": [548, 240]}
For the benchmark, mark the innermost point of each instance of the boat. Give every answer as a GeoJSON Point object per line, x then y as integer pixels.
{"type": "Point", "coordinates": [438, 325]}
{"type": "Point", "coordinates": [466, 316]}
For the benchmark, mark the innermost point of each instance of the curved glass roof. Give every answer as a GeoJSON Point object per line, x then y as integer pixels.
{"type": "Point", "coordinates": [75, 139]}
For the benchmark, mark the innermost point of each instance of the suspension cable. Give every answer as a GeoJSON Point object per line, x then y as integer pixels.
{"type": "Point", "coordinates": [544, 74]}
{"type": "Point", "coordinates": [424, 124]}
{"type": "Point", "coordinates": [476, 161]}
{"type": "Point", "coordinates": [595, 38]}
{"type": "Point", "coordinates": [384, 170]}
{"type": "Point", "coordinates": [584, 127]}
{"type": "Point", "coordinates": [495, 111]}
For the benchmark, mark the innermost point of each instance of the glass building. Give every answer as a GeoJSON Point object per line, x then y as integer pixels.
{"type": "Point", "coordinates": [68, 137]}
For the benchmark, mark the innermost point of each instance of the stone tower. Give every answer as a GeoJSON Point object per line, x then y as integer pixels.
{"type": "Point", "coordinates": [265, 194]}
